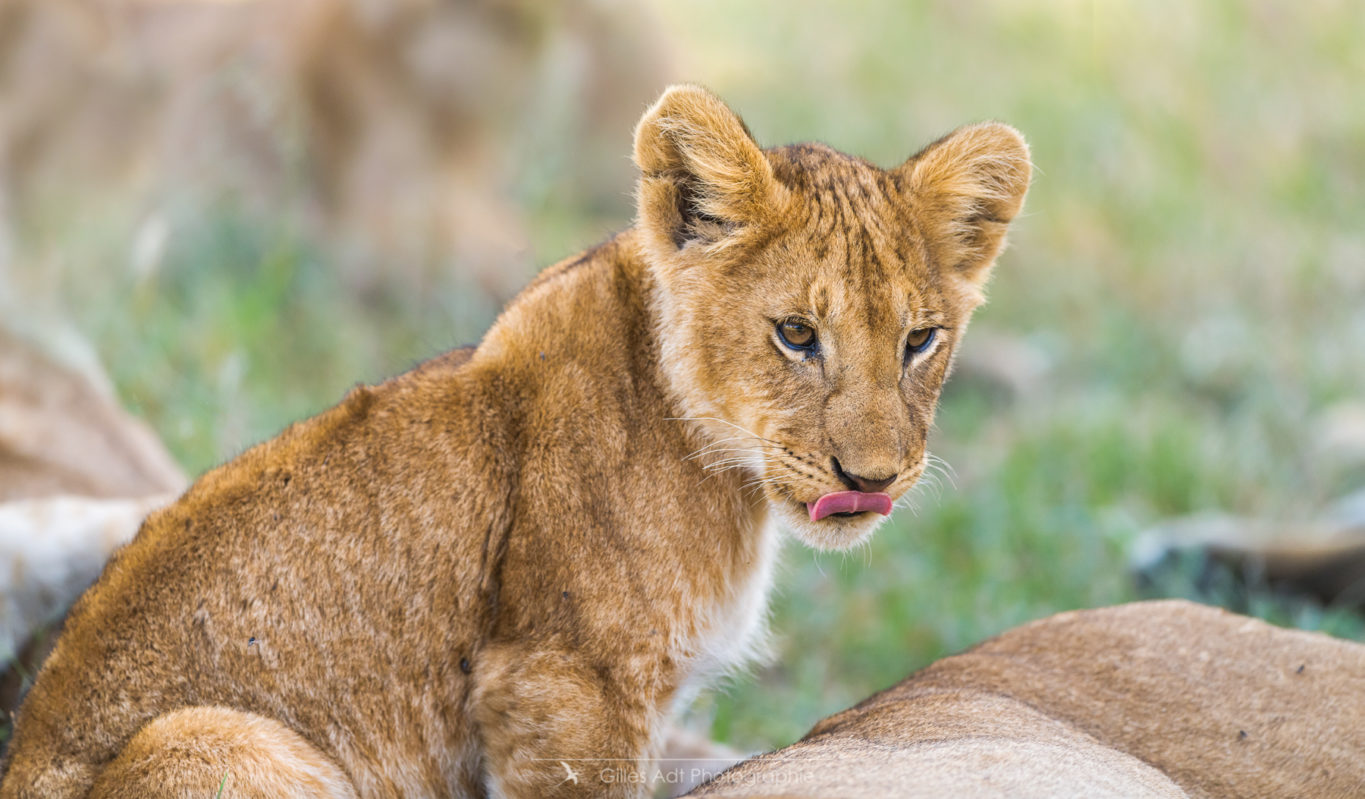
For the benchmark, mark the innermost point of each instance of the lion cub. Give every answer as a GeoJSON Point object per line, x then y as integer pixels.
{"type": "Point", "coordinates": [496, 574]}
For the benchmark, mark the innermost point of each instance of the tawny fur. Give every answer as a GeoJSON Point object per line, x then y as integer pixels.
{"type": "Point", "coordinates": [1152, 699]}
{"type": "Point", "coordinates": [510, 559]}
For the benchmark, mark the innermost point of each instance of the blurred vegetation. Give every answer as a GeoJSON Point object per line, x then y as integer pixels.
{"type": "Point", "coordinates": [1190, 273]}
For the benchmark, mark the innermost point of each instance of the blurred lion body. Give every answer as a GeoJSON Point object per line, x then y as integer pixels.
{"type": "Point", "coordinates": [376, 129]}
{"type": "Point", "coordinates": [1152, 699]}
{"type": "Point", "coordinates": [61, 434]}
{"type": "Point", "coordinates": [527, 554]}
{"type": "Point", "coordinates": [77, 476]}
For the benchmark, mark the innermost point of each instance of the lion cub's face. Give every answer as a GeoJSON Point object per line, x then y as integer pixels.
{"type": "Point", "coordinates": [810, 302]}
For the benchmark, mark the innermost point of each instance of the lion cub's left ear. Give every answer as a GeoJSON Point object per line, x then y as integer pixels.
{"type": "Point", "coordinates": [703, 177]}
{"type": "Point", "coordinates": [966, 187]}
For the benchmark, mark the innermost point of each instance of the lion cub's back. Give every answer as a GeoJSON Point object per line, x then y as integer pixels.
{"type": "Point", "coordinates": [315, 579]}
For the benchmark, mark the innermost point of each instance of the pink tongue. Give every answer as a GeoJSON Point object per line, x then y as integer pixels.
{"type": "Point", "coordinates": [848, 502]}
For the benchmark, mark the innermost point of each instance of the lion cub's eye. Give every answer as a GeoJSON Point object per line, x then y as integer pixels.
{"type": "Point", "coordinates": [919, 340]}
{"type": "Point", "coordinates": [797, 335]}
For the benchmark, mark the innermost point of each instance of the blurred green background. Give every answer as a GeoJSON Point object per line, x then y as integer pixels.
{"type": "Point", "coordinates": [1177, 328]}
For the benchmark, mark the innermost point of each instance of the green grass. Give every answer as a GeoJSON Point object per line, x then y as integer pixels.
{"type": "Point", "coordinates": [1191, 263]}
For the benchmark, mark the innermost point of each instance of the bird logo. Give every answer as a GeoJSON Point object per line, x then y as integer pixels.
{"type": "Point", "coordinates": [572, 775]}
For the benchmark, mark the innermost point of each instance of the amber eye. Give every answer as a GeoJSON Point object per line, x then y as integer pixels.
{"type": "Point", "coordinates": [919, 340]}
{"type": "Point", "coordinates": [797, 335]}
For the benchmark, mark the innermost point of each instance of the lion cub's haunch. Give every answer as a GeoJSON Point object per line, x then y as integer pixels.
{"type": "Point", "coordinates": [496, 574]}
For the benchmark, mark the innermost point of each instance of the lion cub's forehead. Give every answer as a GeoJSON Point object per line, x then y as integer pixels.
{"type": "Point", "coordinates": [861, 254]}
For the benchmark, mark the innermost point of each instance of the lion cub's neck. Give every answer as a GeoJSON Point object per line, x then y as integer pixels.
{"type": "Point", "coordinates": [607, 453]}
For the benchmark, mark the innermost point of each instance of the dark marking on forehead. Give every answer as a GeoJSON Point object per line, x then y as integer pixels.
{"type": "Point", "coordinates": [813, 168]}
{"type": "Point", "coordinates": [888, 186]}
{"type": "Point", "coordinates": [820, 300]}
{"type": "Point", "coordinates": [801, 167]}
{"type": "Point", "coordinates": [916, 304]}
{"type": "Point", "coordinates": [870, 243]}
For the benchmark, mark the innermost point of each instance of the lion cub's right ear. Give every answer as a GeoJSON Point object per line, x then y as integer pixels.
{"type": "Point", "coordinates": [703, 177]}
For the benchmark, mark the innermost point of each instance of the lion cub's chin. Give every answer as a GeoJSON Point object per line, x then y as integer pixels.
{"type": "Point", "coordinates": [830, 534]}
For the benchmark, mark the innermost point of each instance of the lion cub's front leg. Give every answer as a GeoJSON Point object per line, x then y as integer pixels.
{"type": "Point", "coordinates": [553, 724]}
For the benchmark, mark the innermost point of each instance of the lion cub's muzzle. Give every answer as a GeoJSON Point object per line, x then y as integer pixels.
{"type": "Point", "coordinates": [864, 495]}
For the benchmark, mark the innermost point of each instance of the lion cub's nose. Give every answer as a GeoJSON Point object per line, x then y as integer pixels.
{"type": "Point", "coordinates": [868, 485]}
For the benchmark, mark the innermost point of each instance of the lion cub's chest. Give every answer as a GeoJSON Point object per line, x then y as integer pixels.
{"type": "Point", "coordinates": [731, 630]}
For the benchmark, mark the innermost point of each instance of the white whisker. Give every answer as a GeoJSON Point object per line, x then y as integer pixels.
{"type": "Point", "coordinates": [718, 446]}
{"type": "Point", "coordinates": [722, 421]}
{"type": "Point", "coordinates": [748, 452]}
{"type": "Point", "coordinates": [728, 464]}
{"type": "Point", "coordinates": [943, 467]}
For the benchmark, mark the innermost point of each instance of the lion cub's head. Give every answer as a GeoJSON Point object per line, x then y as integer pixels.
{"type": "Point", "coordinates": [809, 302]}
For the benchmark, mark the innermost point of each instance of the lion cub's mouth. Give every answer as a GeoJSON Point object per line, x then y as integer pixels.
{"type": "Point", "coordinates": [849, 503]}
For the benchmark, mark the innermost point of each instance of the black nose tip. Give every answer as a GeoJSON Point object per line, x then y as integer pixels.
{"type": "Point", "coordinates": [868, 485]}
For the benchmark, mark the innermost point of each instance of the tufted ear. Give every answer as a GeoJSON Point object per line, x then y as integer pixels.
{"type": "Point", "coordinates": [703, 177]}
{"type": "Point", "coordinates": [967, 187]}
